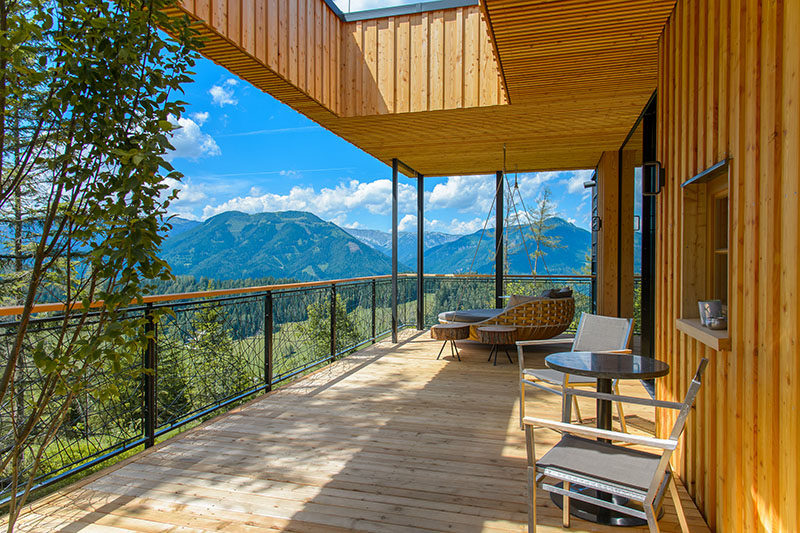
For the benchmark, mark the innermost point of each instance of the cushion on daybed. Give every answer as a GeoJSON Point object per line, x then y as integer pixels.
{"type": "Point", "coordinates": [469, 316]}
{"type": "Point", "coordinates": [519, 299]}
{"type": "Point", "coordinates": [563, 292]}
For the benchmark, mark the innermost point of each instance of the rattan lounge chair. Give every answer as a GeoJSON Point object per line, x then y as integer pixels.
{"type": "Point", "coordinates": [539, 319]}
{"type": "Point", "coordinates": [579, 460]}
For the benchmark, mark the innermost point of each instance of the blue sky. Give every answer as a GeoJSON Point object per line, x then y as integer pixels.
{"type": "Point", "coordinates": [240, 149]}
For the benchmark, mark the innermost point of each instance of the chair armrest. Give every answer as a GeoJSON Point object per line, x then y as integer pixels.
{"type": "Point", "coordinates": [543, 341]}
{"type": "Point", "coordinates": [625, 351]}
{"type": "Point", "coordinates": [585, 431]}
{"type": "Point", "coordinates": [624, 399]}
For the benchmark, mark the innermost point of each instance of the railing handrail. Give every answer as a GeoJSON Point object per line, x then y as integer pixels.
{"type": "Point", "coordinates": [161, 298]}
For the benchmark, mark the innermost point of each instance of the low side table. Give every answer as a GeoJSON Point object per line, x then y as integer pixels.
{"type": "Point", "coordinates": [497, 336]}
{"type": "Point", "coordinates": [455, 331]}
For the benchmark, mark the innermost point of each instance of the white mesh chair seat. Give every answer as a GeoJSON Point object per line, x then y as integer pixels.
{"type": "Point", "coordinates": [599, 460]}
{"type": "Point", "coordinates": [555, 377]}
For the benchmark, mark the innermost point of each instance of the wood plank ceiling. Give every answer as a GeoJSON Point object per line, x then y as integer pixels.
{"type": "Point", "coordinates": [426, 88]}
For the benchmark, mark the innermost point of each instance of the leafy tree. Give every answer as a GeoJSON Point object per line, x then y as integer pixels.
{"type": "Point", "coordinates": [540, 222]}
{"type": "Point", "coordinates": [87, 105]}
{"type": "Point", "coordinates": [211, 363]}
{"type": "Point", "coordinates": [317, 329]}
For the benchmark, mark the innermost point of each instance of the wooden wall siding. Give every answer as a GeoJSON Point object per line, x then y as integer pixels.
{"type": "Point", "coordinates": [729, 85]}
{"type": "Point", "coordinates": [422, 62]}
{"type": "Point", "coordinates": [297, 40]}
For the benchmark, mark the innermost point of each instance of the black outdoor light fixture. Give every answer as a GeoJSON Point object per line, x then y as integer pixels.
{"type": "Point", "coordinates": [652, 178]}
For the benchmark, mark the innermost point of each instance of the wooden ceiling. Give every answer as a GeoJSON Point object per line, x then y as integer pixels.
{"type": "Point", "coordinates": [576, 47]}
{"type": "Point", "coordinates": [426, 87]}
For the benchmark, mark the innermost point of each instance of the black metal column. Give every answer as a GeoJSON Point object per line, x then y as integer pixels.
{"type": "Point", "coordinates": [394, 249]}
{"type": "Point", "coordinates": [420, 252]}
{"type": "Point", "coordinates": [498, 241]}
{"type": "Point", "coordinates": [333, 321]}
{"type": "Point", "coordinates": [649, 235]}
{"type": "Point", "coordinates": [150, 366]}
{"type": "Point", "coordinates": [268, 334]}
{"type": "Point", "coordinates": [374, 303]}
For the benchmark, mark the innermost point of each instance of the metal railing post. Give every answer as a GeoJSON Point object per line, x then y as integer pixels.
{"type": "Point", "coordinates": [268, 325]}
{"type": "Point", "coordinates": [374, 302]}
{"type": "Point", "coordinates": [150, 366]}
{"type": "Point", "coordinates": [333, 321]}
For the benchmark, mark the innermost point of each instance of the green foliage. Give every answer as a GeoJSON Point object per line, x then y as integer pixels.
{"type": "Point", "coordinates": [317, 329]}
{"type": "Point", "coordinates": [87, 106]}
{"type": "Point", "coordinates": [212, 357]}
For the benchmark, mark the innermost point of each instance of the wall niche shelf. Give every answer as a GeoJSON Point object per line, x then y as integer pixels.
{"type": "Point", "coordinates": [716, 339]}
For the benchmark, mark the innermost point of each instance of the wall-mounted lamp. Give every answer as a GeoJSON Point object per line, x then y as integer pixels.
{"type": "Point", "coordinates": [652, 178]}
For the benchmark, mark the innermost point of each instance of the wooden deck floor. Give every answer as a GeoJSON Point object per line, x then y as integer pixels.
{"type": "Point", "coordinates": [389, 439]}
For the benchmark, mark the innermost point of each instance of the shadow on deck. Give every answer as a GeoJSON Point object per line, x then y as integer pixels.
{"type": "Point", "coordinates": [389, 439]}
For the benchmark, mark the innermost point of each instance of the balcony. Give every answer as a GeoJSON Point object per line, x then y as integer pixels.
{"type": "Point", "coordinates": [385, 438]}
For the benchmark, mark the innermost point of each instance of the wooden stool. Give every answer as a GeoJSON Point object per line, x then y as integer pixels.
{"type": "Point", "coordinates": [451, 333]}
{"type": "Point", "coordinates": [496, 336]}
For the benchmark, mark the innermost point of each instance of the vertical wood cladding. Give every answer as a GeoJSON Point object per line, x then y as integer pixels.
{"type": "Point", "coordinates": [729, 87]}
{"type": "Point", "coordinates": [422, 62]}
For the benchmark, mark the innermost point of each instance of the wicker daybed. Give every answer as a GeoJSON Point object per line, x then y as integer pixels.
{"type": "Point", "coordinates": [542, 318]}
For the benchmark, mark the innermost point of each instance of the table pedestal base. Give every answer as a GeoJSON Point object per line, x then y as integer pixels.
{"type": "Point", "coordinates": [599, 515]}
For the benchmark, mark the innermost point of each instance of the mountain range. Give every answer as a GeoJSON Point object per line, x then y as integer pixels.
{"type": "Point", "coordinates": [406, 242]}
{"type": "Point", "coordinates": [300, 245]}
{"type": "Point", "coordinates": [290, 244]}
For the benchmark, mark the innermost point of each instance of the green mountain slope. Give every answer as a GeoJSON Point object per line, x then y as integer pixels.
{"type": "Point", "coordinates": [569, 258]}
{"type": "Point", "coordinates": [289, 244]}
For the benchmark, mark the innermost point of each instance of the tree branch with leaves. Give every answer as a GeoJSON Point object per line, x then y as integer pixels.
{"type": "Point", "coordinates": [88, 98]}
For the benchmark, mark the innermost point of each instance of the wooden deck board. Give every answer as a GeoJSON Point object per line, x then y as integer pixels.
{"type": "Point", "coordinates": [389, 439]}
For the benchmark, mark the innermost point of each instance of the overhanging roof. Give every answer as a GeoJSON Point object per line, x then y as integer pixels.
{"type": "Point", "coordinates": [425, 86]}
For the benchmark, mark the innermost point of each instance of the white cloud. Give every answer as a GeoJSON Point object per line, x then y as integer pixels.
{"type": "Point", "coordinates": [574, 183]}
{"type": "Point", "coordinates": [327, 203]}
{"type": "Point", "coordinates": [464, 193]}
{"type": "Point", "coordinates": [222, 95]}
{"type": "Point", "coordinates": [189, 141]}
{"type": "Point", "coordinates": [455, 226]}
{"type": "Point", "coordinates": [200, 118]}
{"type": "Point", "coordinates": [342, 222]}
{"type": "Point", "coordinates": [189, 197]}
{"type": "Point", "coordinates": [407, 223]}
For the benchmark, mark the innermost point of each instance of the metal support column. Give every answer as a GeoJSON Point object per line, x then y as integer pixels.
{"type": "Point", "coordinates": [333, 321]}
{"type": "Point", "coordinates": [150, 365]}
{"type": "Point", "coordinates": [420, 252]}
{"type": "Point", "coordinates": [268, 340]}
{"type": "Point", "coordinates": [498, 241]}
{"type": "Point", "coordinates": [394, 249]}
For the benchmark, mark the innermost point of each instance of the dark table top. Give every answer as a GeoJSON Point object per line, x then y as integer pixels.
{"type": "Point", "coordinates": [607, 365]}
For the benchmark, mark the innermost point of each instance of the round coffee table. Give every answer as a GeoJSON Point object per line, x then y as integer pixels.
{"type": "Point", "coordinates": [497, 336]}
{"type": "Point", "coordinates": [455, 331]}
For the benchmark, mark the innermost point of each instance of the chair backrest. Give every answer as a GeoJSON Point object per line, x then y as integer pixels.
{"type": "Point", "coordinates": [688, 401]}
{"type": "Point", "coordinates": [597, 333]}
{"type": "Point", "coordinates": [677, 428]}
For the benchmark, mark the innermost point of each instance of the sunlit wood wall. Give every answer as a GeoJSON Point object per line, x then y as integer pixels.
{"type": "Point", "coordinates": [728, 87]}
{"type": "Point", "coordinates": [424, 62]}
{"type": "Point", "coordinates": [429, 61]}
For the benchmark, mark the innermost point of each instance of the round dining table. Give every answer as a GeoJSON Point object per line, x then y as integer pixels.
{"type": "Point", "coordinates": [606, 368]}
